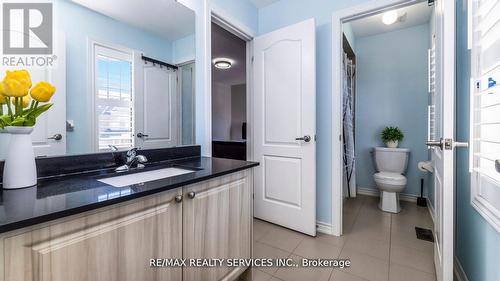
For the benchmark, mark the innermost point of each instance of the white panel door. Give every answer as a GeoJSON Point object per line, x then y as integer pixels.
{"type": "Point", "coordinates": [156, 107]}
{"type": "Point", "coordinates": [49, 135]}
{"type": "Point", "coordinates": [284, 112]}
{"type": "Point", "coordinates": [443, 103]}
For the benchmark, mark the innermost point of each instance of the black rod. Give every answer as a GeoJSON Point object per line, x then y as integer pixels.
{"type": "Point", "coordinates": [154, 61]}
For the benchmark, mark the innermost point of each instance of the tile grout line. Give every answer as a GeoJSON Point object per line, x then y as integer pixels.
{"type": "Point", "coordinates": [390, 248]}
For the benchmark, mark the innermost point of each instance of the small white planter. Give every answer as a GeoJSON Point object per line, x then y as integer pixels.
{"type": "Point", "coordinates": [20, 167]}
{"type": "Point", "coordinates": [392, 144]}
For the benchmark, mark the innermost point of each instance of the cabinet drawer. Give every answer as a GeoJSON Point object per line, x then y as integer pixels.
{"type": "Point", "coordinates": [114, 244]}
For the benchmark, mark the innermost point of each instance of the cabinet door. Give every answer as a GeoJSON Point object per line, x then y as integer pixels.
{"type": "Point", "coordinates": [217, 223]}
{"type": "Point", "coordinates": [111, 245]}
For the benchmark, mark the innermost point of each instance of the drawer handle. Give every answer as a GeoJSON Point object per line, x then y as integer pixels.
{"type": "Point", "coordinates": [178, 198]}
{"type": "Point", "coordinates": [192, 195]}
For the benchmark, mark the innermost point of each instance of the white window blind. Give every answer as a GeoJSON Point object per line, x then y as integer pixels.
{"type": "Point", "coordinates": [485, 109]}
{"type": "Point", "coordinates": [113, 98]}
{"type": "Point", "coordinates": [432, 126]}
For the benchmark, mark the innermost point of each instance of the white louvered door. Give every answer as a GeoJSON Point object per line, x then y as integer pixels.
{"type": "Point", "coordinates": [485, 109]}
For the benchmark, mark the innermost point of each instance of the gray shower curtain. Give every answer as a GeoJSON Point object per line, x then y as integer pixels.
{"type": "Point", "coordinates": [348, 127]}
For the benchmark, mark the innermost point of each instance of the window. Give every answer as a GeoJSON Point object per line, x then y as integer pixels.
{"type": "Point", "coordinates": [484, 28]}
{"type": "Point", "coordinates": [113, 99]}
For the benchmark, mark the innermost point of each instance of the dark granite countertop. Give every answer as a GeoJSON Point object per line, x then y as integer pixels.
{"type": "Point", "coordinates": [59, 196]}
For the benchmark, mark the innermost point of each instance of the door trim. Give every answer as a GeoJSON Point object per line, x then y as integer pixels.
{"type": "Point", "coordinates": [338, 18]}
{"type": "Point", "coordinates": [232, 25]}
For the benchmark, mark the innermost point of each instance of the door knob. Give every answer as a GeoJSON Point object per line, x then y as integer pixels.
{"type": "Point", "coordinates": [141, 135]}
{"type": "Point", "coordinates": [178, 198]}
{"type": "Point", "coordinates": [497, 165]}
{"type": "Point", "coordinates": [447, 144]}
{"type": "Point", "coordinates": [192, 194]}
{"type": "Point", "coordinates": [56, 137]}
{"type": "Point", "coordinates": [304, 138]}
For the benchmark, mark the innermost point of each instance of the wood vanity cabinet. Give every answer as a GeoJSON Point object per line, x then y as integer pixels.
{"type": "Point", "coordinates": [217, 223]}
{"type": "Point", "coordinates": [116, 243]}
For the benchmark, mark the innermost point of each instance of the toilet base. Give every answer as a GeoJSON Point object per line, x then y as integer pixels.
{"type": "Point", "coordinates": [389, 202]}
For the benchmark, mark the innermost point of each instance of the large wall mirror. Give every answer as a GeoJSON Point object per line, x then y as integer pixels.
{"type": "Point", "coordinates": [124, 72]}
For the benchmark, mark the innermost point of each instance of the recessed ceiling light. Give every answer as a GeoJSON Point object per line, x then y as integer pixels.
{"type": "Point", "coordinates": [390, 17]}
{"type": "Point", "coordinates": [222, 63]}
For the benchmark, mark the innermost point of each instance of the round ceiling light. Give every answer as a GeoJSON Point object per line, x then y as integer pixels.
{"type": "Point", "coordinates": [222, 63]}
{"type": "Point", "coordinates": [390, 17]}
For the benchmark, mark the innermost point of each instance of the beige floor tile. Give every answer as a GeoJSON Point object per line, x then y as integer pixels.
{"type": "Point", "coordinates": [263, 251]}
{"type": "Point", "coordinates": [282, 238]}
{"type": "Point", "coordinates": [421, 260]}
{"type": "Point", "coordinates": [370, 231]}
{"type": "Point", "coordinates": [372, 247]}
{"type": "Point", "coordinates": [365, 266]}
{"type": "Point", "coordinates": [258, 275]}
{"type": "Point", "coordinates": [338, 275]}
{"type": "Point", "coordinates": [303, 273]}
{"type": "Point", "coordinates": [338, 241]}
{"type": "Point", "coordinates": [260, 228]}
{"type": "Point", "coordinates": [399, 272]}
{"type": "Point", "coordinates": [313, 248]}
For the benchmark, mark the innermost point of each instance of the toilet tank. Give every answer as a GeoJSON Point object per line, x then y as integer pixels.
{"type": "Point", "coordinates": [394, 160]}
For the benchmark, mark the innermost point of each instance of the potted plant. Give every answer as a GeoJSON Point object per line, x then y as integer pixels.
{"type": "Point", "coordinates": [20, 106]}
{"type": "Point", "coordinates": [391, 136]}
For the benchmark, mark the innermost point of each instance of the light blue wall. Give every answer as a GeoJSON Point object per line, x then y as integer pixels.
{"type": "Point", "coordinates": [78, 24]}
{"type": "Point", "coordinates": [391, 76]}
{"type": "Point", "coordinates": [477, 244]}
{"type": "Point", "coordinates": [286, 12]}
{"type": "Point", "coordinates": [184, 49]}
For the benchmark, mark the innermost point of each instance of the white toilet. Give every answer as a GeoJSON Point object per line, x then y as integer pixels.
{"type": "Point", "coordinates": [390, 164]}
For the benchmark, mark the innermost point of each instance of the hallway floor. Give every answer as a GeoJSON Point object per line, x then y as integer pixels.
{"type": "Point", "coordinates": [381, 246]}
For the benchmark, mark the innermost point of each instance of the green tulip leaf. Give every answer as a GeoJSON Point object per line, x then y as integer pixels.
{"type": "Point", "coordinates": [35, 112]}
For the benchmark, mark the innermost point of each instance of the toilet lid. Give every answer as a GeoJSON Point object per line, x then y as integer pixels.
{"type": "Point", "coordinates": [390, 178]}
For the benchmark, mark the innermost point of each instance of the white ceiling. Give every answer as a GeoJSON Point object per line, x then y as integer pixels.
{"type": "Point", "coordinates": [415, 15]}
{"type": "Point", "coordinates": [165, 18]}
{"type": "Point", "coordinates": [227, 45]}
{"type": "Point", "coordinates": [262, 3]}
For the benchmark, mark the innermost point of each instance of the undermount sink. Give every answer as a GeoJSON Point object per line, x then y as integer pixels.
{"type": "Point", "coordinates": [131, 179]}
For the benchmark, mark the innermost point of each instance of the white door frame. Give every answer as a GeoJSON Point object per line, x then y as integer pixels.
{"type": "Point", "coordinates": [232, 25]}
{"type": "Point", "coordinates": [338, 18]}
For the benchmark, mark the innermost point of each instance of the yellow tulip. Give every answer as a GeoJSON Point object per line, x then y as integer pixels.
{"type": "Point", "coordinates": [17, 83]}
{"type": "Point", "coordinates": [3, 99]}
{"type": "Point", "coordinates": [14, 88]}
{"type": "Point", "coordinates": [26, 101]}
{"type": "Point", "coordinates": [42, 91]}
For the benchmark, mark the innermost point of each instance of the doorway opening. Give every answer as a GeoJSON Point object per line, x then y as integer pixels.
{"type": "Point", "coordinates": [388, 96]}
{"type": "Point", "coordinates": [229, 94]}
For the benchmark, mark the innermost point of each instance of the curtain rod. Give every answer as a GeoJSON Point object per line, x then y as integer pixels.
{"type": "Point", "coordinates": [154, 61]}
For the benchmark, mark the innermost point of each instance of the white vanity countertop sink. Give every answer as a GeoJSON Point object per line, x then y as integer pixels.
{"type": "Point", "coordinates": [137, 178]}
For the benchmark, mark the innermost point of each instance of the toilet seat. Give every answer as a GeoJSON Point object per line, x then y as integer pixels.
{"type": "Point", "coordinates": [390, 178]}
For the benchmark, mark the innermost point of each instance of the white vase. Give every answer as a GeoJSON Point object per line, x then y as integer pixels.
{"type": "Point", "coordinates": [392, 144]}
{"type": "Point", "coordinates": [20, 167]}
{"type": "Point", "coordinates": [4, 144]}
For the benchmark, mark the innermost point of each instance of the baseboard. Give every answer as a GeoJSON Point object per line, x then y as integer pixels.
{"type": "Point", "coordinates": [431, 209]}
{"type": "Point", "coordinates": [323, 227]}
{"type": "Point", "coordinates": [458, 270]}
{"type": "Point", "coordinates": [374, 192]}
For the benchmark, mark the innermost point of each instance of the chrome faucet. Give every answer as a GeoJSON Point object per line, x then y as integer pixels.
{"type": "Point", "coordinates": [133, 161]}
